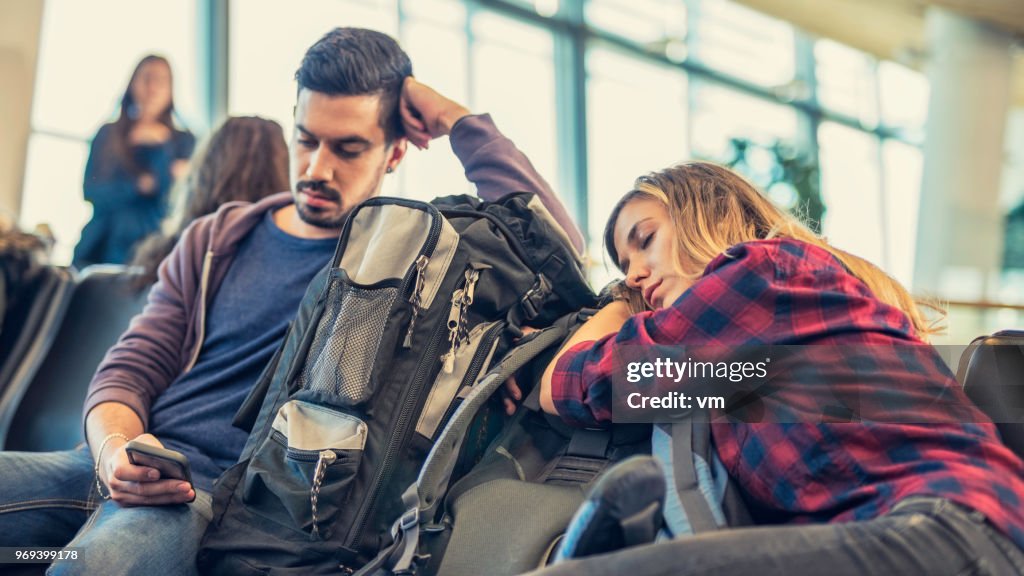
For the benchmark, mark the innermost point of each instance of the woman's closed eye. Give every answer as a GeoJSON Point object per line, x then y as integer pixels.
{"type": "Point", "coordinates": [646, 240]}
{"type": "Point", "coordinates": [642, 244]}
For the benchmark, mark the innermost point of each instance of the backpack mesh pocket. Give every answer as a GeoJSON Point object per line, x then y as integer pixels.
{"type": "Point", "coordinates": [344, 348]}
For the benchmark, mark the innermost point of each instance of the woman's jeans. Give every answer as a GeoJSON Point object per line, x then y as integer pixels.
{"type": "Point", "coordinates": [921, 536]}
{"type": "Point", "coordinates": [50, 499]}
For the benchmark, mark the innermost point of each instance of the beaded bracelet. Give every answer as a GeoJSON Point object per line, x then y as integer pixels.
{"type": "Point", "coordinates": [99, 456]}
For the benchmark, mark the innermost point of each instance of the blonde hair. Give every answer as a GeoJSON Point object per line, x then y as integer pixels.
{"type": "Point", "coordinates": [712, 208]}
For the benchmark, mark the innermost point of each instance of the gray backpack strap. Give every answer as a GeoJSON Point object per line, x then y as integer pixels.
{"type": "Point", "coordinates": [423, 497]}
{"type": "Point", "coordinates": [688, 438]}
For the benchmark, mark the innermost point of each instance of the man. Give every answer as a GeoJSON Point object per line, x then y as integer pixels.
{"type": "Point", "coordinates": [221, 308]}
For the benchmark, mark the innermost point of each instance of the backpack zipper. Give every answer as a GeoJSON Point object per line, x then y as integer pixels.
{"type": "Point", "coordinates": [486, 343]}
{"type": "Point", "coordinates": [325, 459]}
{"type": "Point", "coordinates": [398, 434]}
{"type": "Point", "coordinates": [399, 431]}
{"type": "Point", "coordinates": [416, 297]}
{"type": "Point", "coordinates": [461, 300]}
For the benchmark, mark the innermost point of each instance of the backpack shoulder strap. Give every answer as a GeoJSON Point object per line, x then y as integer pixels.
{"type": "Point", "coordinates": [690, 439]}
{"type": "Point", "coordinates": [694, 502]}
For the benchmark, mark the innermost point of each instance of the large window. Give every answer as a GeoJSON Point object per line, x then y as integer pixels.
{"type": "Point", "coordinates": [637, 124]}
{"type": "Point", "coordinates": [512, 76]}
{"type": "Point", "coordinates": [268, 39]}
{"type": "Point", "coordinates": [434, 32]}
{"type": "Point", "coordinates": [903, 99]}
{"type": "Point", "coordinates": [595, 92]}
{"type": "Point", "coordinates": [660, 25]}
{"type": "Point", "coordinates": [851, 187]}
{"type": "Point", "coordinates": [737, 41]}
{"type": "Point", "coordinates": [846, 81]}
{"type": "Point", "coordinates": [721, 114]}
{"type": "Point", "coordinates": [871, 187]}
{"type": "Point", "coordinates": [901, 180]}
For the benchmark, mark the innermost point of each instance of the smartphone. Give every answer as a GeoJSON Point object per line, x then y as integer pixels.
{"type": "Point", "coordinates": [171, 464]}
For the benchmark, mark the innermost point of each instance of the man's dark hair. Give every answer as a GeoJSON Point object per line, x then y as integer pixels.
{"type": "Point", "coordinates": [357, 62]}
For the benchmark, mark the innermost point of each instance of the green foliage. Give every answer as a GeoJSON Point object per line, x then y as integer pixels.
{"type": "Point", "coordinates": [791, 179]}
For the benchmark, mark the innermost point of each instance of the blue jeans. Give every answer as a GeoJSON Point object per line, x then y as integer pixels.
{"type": "Point", "coordinates": [921, 536]}
{"type": "Point", "coordinates": [50, 499]}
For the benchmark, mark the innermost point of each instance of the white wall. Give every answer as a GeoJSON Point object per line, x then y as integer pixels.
{"type": "Point", "coordinates": [20, 25]}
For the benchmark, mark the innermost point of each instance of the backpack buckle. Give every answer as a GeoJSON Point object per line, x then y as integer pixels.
{"type": "Point", "coordinates": [409, 519]}
{"type": "Point", "coordinates": [533, 300]}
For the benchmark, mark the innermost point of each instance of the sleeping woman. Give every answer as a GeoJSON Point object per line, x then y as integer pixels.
{"type": "Point", "coordinates": [719, 265]}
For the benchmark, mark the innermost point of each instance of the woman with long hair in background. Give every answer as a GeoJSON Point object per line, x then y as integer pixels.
{"type": "Point", "coordinates": [132, 165]}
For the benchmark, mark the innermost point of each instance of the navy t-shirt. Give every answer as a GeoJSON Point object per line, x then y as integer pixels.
{"type": "Point", "coordinates": [245, 324]}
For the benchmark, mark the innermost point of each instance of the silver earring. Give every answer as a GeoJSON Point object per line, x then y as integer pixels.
{"type": "Point", "coordinates": [389, 170]}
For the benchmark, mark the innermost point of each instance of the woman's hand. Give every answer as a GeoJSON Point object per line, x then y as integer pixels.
{"type": "Point", "coordinates": [146, 183]}
{"type": "Point", "coordinates": [608, 320]}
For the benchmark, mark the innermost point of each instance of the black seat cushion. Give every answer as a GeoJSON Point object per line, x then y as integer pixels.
{"type": "Point", "coordinates": [992, 373]}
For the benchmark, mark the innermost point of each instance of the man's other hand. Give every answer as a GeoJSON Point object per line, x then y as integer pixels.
{"type": "Point", "coordinates": [426, 114]}
{"type": "Point", "coordinates": [511, 392]}
{"type": "Point", "coordinates": [132, 485]}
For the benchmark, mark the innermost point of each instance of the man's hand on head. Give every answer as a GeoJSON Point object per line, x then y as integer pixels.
{"type": "Point", "coordinates": [132, 485]}
{"type": "Point", "coordinates": [426, 114]}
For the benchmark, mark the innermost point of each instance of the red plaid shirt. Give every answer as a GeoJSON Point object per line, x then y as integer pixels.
{"type": "Point", "coordinates": [786, 292]}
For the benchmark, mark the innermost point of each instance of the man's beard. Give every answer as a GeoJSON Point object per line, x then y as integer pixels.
{"type": "Point", "coordinates": [321, 218]}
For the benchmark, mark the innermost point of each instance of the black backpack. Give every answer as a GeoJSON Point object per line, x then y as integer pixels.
{"type": "Point", "coordinates": [545, 491]}
{"type": "Point", "coordinates": [508, 513]}
{"type": "Point", "coordinates": [418, 302]}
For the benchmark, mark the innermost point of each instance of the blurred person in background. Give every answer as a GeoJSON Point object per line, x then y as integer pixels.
{"type": "Point", "coordinates": [22, 256]}
{"type": "Point", "coordinates": [132, 164]}
{"type": "Point", "coordinates": [245, 159]}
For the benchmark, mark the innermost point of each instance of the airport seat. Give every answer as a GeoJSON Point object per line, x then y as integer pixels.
{"type": "Point", "coordinates": [27, 332]}
{"type": "Point", "coordinates": [49, 416]}
{"type": "Point", "coordinates": [992, 373]}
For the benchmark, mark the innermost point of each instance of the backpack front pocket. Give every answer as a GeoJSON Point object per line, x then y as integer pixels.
{"type": "Point", "coordinates": [300, 475]}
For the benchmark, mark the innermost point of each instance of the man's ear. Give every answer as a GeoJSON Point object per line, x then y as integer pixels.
{"type": "Point", "coordinates": [398, 149]}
